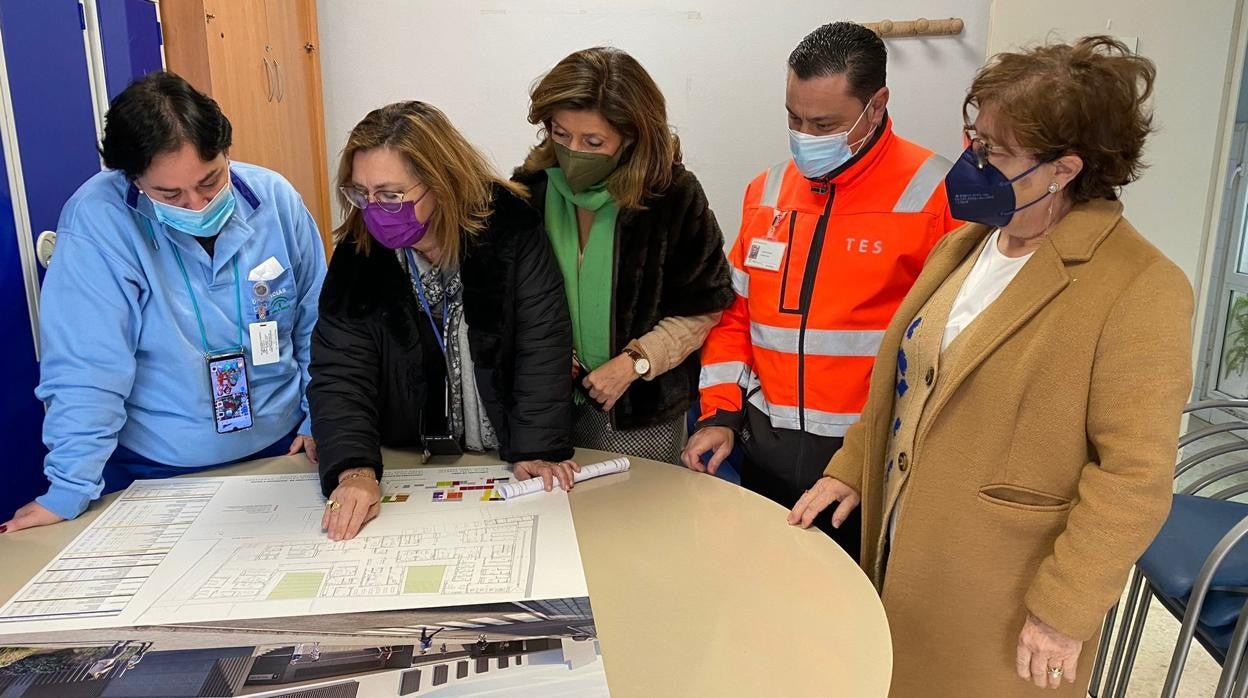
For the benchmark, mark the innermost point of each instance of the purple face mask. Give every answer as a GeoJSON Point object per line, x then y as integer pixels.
{"type": "Point", "coordinates": [398, 229]}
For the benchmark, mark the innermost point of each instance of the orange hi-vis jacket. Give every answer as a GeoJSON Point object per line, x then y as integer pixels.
{"type": "Point", "coordinates": [819, 267]}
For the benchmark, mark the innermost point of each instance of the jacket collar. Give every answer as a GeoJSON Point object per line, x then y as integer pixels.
{"type": "Point", "coordinates": [1082, 231]}
{"type": "Point", "coordinates": [1044, 276]}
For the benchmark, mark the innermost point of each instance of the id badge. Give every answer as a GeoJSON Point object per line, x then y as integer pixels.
{"type": "Point", "coordinates": [765, 254]}
{"type": "Point", "coordinates": [265, 344]}
{"type": "Point", "coordinates": [231, 398]}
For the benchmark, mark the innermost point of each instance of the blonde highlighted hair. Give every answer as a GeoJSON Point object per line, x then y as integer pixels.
{"type": "Point", "coordinates": [439, 157]}
{"type": "Point", "coordinates": [612, 83]}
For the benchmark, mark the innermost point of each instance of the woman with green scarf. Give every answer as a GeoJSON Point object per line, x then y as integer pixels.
{"type": "Point", "coordinates": [641, 254]}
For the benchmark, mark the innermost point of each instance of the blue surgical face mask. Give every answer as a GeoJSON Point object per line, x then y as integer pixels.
{"type": "Point", "coordinates": [816, 156]}
{"type": "Point", "coordinates": [984, 195]}
{"type": "Point", "coordinates": [204, 223]}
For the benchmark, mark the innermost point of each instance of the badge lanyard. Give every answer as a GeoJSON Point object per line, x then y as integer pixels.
{"type": "Point", "coordinates": [199, 318]}
{"type": "Point", "coordinates": [232, 411]}
{"type": "Point", "coordinates": [440, 335]}
{"type": "Point", "coordinates": [776, 219]}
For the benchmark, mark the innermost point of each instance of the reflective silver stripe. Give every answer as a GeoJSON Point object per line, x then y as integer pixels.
{"type": "Point", "coordinates": [740, 282]}
{"type": "Point", "coordinates": [733, 372]}
{"type": "Point", "coordinates": [772, 184]}
{"type": "Point", "coordinates": [924, 182]}
{"type": "Point", "coordinates": [817, 342]}
{"type": "Point", "coordinates": [817, 422]}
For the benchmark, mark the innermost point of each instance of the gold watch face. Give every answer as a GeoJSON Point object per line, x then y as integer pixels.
{"type": "Point", "coordinates": [641, 366]}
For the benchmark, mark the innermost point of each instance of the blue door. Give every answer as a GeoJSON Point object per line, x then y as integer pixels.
{"type": "Point", "coordinates": [54, 119]}
{"type": "Point", "coordinates": [130, 38]}
{"type": "Point", "coordinates": [21, 415]}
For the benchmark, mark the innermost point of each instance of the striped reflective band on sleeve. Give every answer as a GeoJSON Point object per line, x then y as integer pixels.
{"type": "Point", "coordinates": [728, 372]}
{"type": "Point", "coordinates": [740, 282]}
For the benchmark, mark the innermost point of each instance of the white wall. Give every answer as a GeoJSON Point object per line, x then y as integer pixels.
{"type": "Point", "coordinates": [1191, 43]}
{"type": "Point", "coordinates": [721, 65]}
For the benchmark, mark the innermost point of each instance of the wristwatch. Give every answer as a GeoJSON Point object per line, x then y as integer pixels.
{"type": "Point", "coordinates": [641, 365]}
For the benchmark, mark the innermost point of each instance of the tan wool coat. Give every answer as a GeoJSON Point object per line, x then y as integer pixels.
{"type": "Point", "coordinates": [1043, 461]}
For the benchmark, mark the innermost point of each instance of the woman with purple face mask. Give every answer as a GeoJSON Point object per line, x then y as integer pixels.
{"type": "Point", "coordinates": [443, 325]}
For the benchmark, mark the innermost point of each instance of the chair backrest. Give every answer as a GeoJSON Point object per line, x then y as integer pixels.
{"type": "Point", "coordinates": [1220, 473]}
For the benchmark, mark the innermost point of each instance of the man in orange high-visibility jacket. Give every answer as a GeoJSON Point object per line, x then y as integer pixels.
{"type": "Point", "coordinates": [830, 243]}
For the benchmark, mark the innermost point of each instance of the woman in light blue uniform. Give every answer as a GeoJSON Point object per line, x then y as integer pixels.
{"type": "Point", "coordinates": [176, 313]}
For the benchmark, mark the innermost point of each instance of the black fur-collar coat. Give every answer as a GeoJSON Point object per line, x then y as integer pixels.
{"type": "Point", "coordinates": [368, 384]}
{"type": "Point", "coordinates": [669, 262]}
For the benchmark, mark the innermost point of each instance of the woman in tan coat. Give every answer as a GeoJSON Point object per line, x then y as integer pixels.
{"type": "Point", "coordinates": [1016, 452]}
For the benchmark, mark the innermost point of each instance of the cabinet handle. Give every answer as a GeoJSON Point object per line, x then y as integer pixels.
{"type": "Point", "coordinates": [268, 77]}
{"type": "Point", "coordinates": [281, 86]}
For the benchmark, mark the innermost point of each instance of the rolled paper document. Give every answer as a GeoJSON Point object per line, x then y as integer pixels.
{"type": "Point", "coordinates": [520, 488]}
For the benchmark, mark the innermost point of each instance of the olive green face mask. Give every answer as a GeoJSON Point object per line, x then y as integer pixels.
{"type": "Point", "coordinates": [584, 170]}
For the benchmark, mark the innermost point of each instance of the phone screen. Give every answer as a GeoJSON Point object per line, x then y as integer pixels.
{"type": "Point", "coordinates": [231, 400]}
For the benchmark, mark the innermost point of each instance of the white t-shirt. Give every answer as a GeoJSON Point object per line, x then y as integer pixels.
{"type": "Point", "coordinates": [992, 272]}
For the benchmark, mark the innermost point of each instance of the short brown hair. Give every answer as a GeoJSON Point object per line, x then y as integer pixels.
{"type": "Point", "coordinates": [441, 158]}
{"type": "Point", "coordinates": [614, 84]}
{"type": "Point", "coordinates": [1086, 99]}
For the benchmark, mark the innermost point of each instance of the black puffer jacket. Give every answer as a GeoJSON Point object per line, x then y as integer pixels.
{"type": "Point", "coordinates": [368, 385]}
{"type": "Point", "coordinates": [669, 261]}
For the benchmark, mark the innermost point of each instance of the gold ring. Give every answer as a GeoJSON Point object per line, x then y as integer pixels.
{"type": "Point", "coordinates": [1055, 672]}
{"type": "Point", "coordinates": [334, 506]}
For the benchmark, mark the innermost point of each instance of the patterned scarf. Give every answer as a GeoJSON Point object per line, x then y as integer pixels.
{"type": "Point", "coordinates": [479, 433]}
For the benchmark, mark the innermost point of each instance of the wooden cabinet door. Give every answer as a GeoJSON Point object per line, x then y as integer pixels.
{"type": "Point", "coordinates": [296, 54]}
{"type": "Point", "coordinates": [243, 81]}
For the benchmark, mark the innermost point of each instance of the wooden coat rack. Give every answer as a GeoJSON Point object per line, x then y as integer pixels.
{"type": "Point", "coordinates": [888, 29]}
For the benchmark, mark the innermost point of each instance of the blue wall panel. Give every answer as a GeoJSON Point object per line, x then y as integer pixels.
{"type": "Point", "coordinates": [52, 105]}
{"type": "Point", "coordinates": [51, 92]}
{"type": "Point", "coordinates": [130, 38]}
{"type": "Point", "coordinates": [56, 135]}
{"type": "Point", "coordinates": [21, 415]}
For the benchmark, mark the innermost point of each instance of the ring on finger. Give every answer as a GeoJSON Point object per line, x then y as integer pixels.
{"type": "Point", "coordinates": [1055, 672]}
{"type": "Point", "coordinates": [334, 506]}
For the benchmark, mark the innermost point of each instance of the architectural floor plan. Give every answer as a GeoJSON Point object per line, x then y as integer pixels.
{"type": "Point", "coordinates": [201, 549]}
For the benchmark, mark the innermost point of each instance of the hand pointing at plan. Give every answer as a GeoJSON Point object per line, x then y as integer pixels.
{"type": "Point", "coordinates": [355, 502]}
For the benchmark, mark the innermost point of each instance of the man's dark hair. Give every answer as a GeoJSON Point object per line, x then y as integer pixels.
{"type": "Point", "coordinates": [843, 47]}
{"type": "Point", "coordinates": [157, 114]}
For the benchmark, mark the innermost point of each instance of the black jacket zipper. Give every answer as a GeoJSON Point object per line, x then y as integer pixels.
{"type": "Point", "coordinates": [808, 292]}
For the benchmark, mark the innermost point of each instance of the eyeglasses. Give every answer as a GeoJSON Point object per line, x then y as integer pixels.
{"type": "Point", "coordinates": [388, 201]}
{"type": "Point", "coordinates": [979, 147]}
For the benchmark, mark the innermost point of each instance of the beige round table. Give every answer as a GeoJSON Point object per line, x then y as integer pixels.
{"type": "Point", "coordinates": [699, 587]}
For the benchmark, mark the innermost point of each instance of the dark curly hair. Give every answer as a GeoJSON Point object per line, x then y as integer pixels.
{"type": "Point", "coordinates": [156, 114]}
{"type": "Point", "coordinates": [1088, 99]}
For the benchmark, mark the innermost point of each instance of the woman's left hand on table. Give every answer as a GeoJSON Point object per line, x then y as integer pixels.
{"type": "Point", "coordinates": [562, 472]}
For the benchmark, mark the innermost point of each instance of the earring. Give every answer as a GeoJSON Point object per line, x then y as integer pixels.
{"type": "Point", "coordinates": [1053, 188]}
